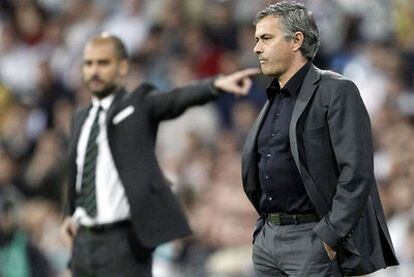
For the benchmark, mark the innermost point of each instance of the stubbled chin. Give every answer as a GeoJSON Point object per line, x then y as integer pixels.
{"type": "Point", "coordinates": [266, 71]}
{"type": "Point", "coordinates": [102, 92]}
{"type": "Point", "coordinates": [96, 90]}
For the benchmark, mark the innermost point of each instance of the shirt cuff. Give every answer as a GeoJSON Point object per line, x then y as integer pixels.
{"type": "Point", "coordinates": [215, 91]}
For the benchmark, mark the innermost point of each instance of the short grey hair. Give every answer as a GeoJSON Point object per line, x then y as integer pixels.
{"type": "Point", "coordinates": [295, 17]}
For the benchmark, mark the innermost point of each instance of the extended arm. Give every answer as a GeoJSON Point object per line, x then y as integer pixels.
{"type": "Point", "coordinates": [172, 104]}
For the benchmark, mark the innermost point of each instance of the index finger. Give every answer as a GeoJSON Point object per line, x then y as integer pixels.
{"type": "Point", "coordinates": [248, 72]}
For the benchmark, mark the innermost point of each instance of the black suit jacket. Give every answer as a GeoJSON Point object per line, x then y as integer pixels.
{"type": "Point", "coordinates": [330, 139]}
{"type": "Point", "coordinates": [155, 213]}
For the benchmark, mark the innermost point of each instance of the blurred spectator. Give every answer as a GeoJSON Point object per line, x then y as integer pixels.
{"type": "Point", "coordinates": [50, 90]}
{"type": "Point", "coordinates": [41, 219]}
{"type": "Point", "coordinates": [223, 217]}
{"type": "Point", "coordinates": [62, 115]}
{"type": "Point", "coordinates": [129, 23]}
{"type": "Point", "coordinates": [18, 256]}
{"type": "Point", "coordinates": [29, 19]}
{"type": "Point", "coordinates": [43, 176]}
{"type": "Point", "coordinates": [8, 173]}
{"type": "Point", "coordinates": [220, 28]}
{"type": "Point", "coordinates": [14, 137]}
{"type": "Point", "coordinates": [243, 116]}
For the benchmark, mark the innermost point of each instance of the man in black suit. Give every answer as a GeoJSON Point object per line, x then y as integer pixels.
{"type": "Point", "coordinates": [120, 207]}
{"type": "Point", "coordinates": [307, 164]}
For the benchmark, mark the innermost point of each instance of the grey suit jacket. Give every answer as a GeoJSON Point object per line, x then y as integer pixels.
{"type": "Point", "coordinates": [155, 213]}
{"type": "Point", "coordinates": [330, 139]}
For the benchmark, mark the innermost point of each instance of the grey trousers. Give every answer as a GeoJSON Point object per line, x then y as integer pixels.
{"type": "Point", "coordinates": [291, 250]}
{"type": "Point", "coordinates": [113, 252]}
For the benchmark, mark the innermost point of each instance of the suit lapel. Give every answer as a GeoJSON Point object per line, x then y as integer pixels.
{"type": "Point", "coordinates": [78, 123]}
{"type": "Point", "coordinates": [71, 187]}
{"type": "Point", "coordinates": [306, 92]}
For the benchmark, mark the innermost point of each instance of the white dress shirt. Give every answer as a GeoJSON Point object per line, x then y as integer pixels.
{"type": "Point", "coordinates": [111, 202]}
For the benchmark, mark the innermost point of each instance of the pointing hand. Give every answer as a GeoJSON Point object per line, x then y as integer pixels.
{"type": "Point", "coordinates": [238, 82]}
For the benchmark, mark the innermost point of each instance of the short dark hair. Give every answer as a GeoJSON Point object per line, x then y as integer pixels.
{"type": "Point", "coordinates": [295, 17]}
{"type": "Point", "coordinates": [119, 46]}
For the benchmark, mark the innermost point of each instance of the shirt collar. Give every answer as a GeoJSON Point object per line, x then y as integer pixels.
{"type": "Point", "coordinates": [273, 89]}
{"type": "Point", "coordinates": [105, 103]}
{"type": "Point", "coordinates": [292, 86]}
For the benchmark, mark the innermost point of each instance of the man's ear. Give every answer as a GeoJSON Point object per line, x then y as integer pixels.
{"type": "Point", "coordinates": [297, 41]}
{"type": "Point", "coordinates": [123, 67]}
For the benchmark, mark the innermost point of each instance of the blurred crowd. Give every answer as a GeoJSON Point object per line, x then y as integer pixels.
{"type": "Point", "coordinates": [171, 43]}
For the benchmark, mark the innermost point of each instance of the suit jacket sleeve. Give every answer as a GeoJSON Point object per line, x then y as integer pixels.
{"type": "Point", "coordinates": [167, 105]}
{"type": "Point", "coordinates": [350, 134]}
{"type": "Point", "coordinates": [67, 191]}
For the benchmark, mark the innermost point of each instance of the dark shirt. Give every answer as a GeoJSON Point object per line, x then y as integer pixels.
{"type": "Point", "coordinates": [282, 188]}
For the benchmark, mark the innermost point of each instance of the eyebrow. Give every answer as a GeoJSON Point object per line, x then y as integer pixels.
{"type": "Point", "coordinates": [263, 35]}
{"type": "Point", "coordinates": [100, 61]}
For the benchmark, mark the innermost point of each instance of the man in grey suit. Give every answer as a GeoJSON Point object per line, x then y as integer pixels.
{"type": "Point", "coordinates": [307, 165]}
{"type": "Point", "coordinates": [120, 206]}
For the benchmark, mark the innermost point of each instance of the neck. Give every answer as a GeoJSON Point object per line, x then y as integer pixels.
{"type": "Point", "coordinates": [296, 65]}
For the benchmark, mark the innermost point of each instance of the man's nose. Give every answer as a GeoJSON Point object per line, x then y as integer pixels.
{"type": "Point", "coordinates": [258, 48]}
{"type": "Point", "coordinates": [94, 70]}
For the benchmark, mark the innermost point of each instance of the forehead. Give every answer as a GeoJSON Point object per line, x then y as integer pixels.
{"type": "Point", "coordinates": [268, 25]}
{"type": "Point", "coordinates": [101, 49]}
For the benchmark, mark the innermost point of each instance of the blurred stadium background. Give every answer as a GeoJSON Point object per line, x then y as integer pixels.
{"type": "Point", "coordinates": [172, 42]}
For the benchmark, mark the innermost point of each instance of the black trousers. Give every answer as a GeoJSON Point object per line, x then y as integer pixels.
{"type": "Point", "coordinates": [291, 250]}
{"type": "Point", "coordinates": [111, 252]}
